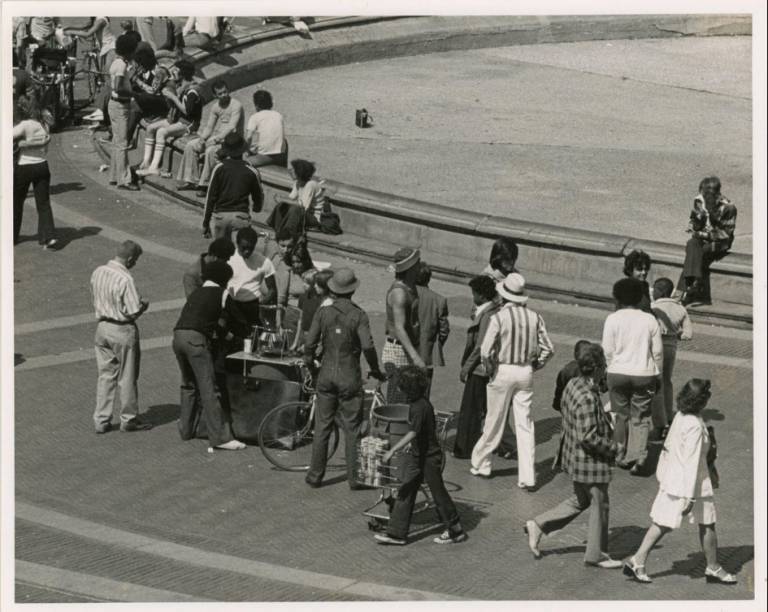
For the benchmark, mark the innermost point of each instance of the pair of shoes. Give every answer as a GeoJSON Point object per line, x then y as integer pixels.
{"type": "Point", "coordinates": [383, 538]}
{"type": "Point", "coordinates": [103, 428]}
{"type": "Point", "coordinates": [51, 244]}
{"type": "Point", "coordinates": [475, 472]}
{"type": "Point", "coordinates": [637, 470]}
{"type": "Point", "coordinates": [719, 576]}
{"type": "Point", "coordinates": [148, 172]}
{"type": "Point", "coordinates": [231, 445]}
{"type": "Point", "coordinates": [186, 187]}
{"type": "Point", "coordinates": [201, 192]}
{"type": "Point", "coordinates": [507, 454]}
{"type": "Point", "coordinates": [113, 183]}
{"type": "Point", "coordinates": [606, 562]}
{"type": "Point", "coordinates": [525, 487]}
{"type": "Point", "coordinates": [448, 538]}
{"type": "Point", "coordinates": [129, 187]}
{"type": "Point", "coordinates": [135, 424]}
{"type": "Point", "coordinates": [97, 115]}
{"type": "Point", "coordinates": [624, 465]}
{"type": "Point", "coordinates": [635, 571]}
{"type": "Point", "coordinates": [533, 531]}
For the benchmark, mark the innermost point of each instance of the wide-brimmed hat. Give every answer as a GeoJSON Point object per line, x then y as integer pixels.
{"type": "Point", "coordinates": [512, 288]}
{"type": "Point", "coordinates": [404, 259]}
{"type": "Point", "coordinates": [233, 145]}
{"type": "Point", "coordinates": [343, 281]}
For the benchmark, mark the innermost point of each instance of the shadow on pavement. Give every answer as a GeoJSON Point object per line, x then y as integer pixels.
{"type": "Point", "coordinates": [161, 414]}
{"type": "Point", "coordinates": [66, 235]}
{"type": "Point", "coordinates": [712, 414]}
{"type": "Point", "coordinates": [733, 558]}
{"type": "Point", "coordinates": [64, 187]}
{"type": "Point", "coordinates": [548, 428]}
{"type": "Point", "coordinates": [18, 358]}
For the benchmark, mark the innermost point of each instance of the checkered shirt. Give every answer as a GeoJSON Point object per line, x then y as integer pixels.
{"type": "Point", "coordinates": [586, 447]}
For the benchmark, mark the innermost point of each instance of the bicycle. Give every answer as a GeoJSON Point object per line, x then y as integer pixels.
{"type": "Point", "coordinates": [287, 431]}
{"type": "Point", "coordinates": [91, 67]}
{"type": "Point", "coordinates": [53, 75]}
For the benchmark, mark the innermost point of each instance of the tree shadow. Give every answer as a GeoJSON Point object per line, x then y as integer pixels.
{"type": "Point", "coordinates": [733, 558]}
{"type": "Point", "coordinates": [65, 187]}
{"type": "Point", "coordinates": [160, 414]}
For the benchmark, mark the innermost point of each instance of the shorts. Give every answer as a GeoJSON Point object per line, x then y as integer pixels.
{"type": "Point", "coordinates": [667, 510]}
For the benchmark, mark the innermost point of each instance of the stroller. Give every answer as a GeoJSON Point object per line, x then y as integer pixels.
{"type": "Point", "coordinates": [53, 76]}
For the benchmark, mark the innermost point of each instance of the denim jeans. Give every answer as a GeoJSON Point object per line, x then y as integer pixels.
{"type": "Point", "coordinates": [39, 176]}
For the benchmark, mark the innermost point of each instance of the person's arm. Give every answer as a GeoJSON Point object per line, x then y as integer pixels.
{"type": "Point", "coordinates": [367, 345]}
{"type": "Point", "coordinates": [211, 198]}
{"type": "Point", "coordinates": [271, 292]}
{"type": "Point", "coordinates": [397, 301]}
{"type": "Point", "coordinates": [213, 117]}
{"type": "Point", "coordinates": [473, 359]}
{"type": "Point", "coordinates": [257, 191]}
{"type": "Point", "coordinates": [123, 85]}
{"type": "Point", "coordinates": [443, 325]}
{"type": "Point", "coordinates": [657, 347]}
{"type": "Point", "coordinates": [237, 119]}
{"type": "Point", "coordinates": [133, 305]}
{"type": "Point", "coordinates": [546, 349]}
{"type": "Point", "coordinates": [488, 343]}
{"type": "Point", "coordinates": [311, 340]}
{"type": "Point", "coordinates": [97, 26]}
{"type": "Point", "coordinates": [401, 443]}
{"type": "Point", "coordinates": [560, 383]}
{"type": "Point", "coordinates": [188, 26]}
{"type": "Point", "coordinates": [251, 128]}
{"type": "Point", "coordinates": [587, 432]}
{"type": "Point", "coordinates": [686, 328]}
{"type": "Point", "coordinates": [608, 341]}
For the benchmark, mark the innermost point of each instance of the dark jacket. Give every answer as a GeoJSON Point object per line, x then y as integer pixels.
{"type": "Point", "coordinates": [470, 360]}
{"type": "Point", "coordinates": [433, 325]}
{"type": "Point", "coordinates": [233, 181]}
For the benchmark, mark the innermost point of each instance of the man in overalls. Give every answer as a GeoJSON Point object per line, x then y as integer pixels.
{"type": "Point", "coordinates": [344, 332]}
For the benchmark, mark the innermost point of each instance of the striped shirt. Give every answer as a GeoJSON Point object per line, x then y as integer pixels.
{"type": "Point", "coordinates": [114, 293]}
{"type": "Point", "coordinates": [519, 336]}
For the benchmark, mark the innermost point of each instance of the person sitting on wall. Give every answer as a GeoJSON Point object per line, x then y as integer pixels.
{"type": "Point", "coordinates": [265, 133]}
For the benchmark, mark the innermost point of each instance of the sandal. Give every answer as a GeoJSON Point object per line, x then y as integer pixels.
{"type": "Point", "coordinates": [635, 571]}
{"type": "Point", "coordinates": [719, 576]}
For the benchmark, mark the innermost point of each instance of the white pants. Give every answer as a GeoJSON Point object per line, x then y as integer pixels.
{"type": "Point", "coordinates": [513, 385]}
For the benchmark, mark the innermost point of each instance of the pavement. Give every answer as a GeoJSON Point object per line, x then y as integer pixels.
{"type": "Point", "coordinates": [146, 517]}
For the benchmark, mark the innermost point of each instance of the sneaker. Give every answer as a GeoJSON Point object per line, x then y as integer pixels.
{"type": "Point", "coordinates": [447, 538]}
{"type": "Point", "coordinates": [103, 428]}
{"type": "Point", "coordinates": [135, 424]}
{"type": "Point", "coordinates": [476, 472]}
{"type": "Point", "coordinates": [50, 244]}
{"type": "Point", "coordinates": [231, 445]}
{"type": "Point", "coordinates": [526, 488]}
{"type": "Point", "coordinates": [383, 538]}
{"type": "Point", "coordinates": [186, 187]}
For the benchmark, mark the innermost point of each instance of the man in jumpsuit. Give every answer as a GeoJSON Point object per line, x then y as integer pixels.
{"type": "Point", "coordinates": [344, 332]}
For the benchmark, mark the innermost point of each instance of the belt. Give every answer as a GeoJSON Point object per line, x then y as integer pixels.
{"type": "Point", "coordinates": [115, 321]}
{"type": "Point", "coordinates": [393, 341]}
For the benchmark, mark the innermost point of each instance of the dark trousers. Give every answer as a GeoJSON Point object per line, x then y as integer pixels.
{"type": "Point", "coordinates": [242, 316]}
{"type": "Point", "coordinates": [631, 399]}
{"type": "Point", "coordinates": [699, 256]}
{"type": "Point", "coordinates": [471, 415]}
{"type": "Point", "coordinates": [585, 495]}
{"type": "Point", "coordinates": [344, 399]}
{"type": "Point", "coordinates": [199, 394]}
{"type": "Point", "coordinates": [39, 176]}
{"type": "Point", "coordinates": [414, 472]}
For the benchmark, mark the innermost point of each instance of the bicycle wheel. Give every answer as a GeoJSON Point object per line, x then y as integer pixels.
{"type": "Point", "coordinates": [65, 101]}
{"type": "Point", "coordinates": [285, 436]}
{"type": "Point", "coordinates": [92, 77]}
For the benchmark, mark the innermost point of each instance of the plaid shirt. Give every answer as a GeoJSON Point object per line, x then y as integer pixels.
{"type": "Point", "coordinates": [586, 447]}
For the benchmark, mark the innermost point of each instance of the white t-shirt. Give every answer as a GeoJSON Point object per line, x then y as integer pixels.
{"type": "Point", "coordinates": [248, 276]}
{"type": "Point", "coordinates": [632, 343]}
{"type": "Point", "coordinates": [265, 132]}
{"type": "Point", "coordinates": [118, 69]}
{"type": "Point", "coordinates": [29, 129]}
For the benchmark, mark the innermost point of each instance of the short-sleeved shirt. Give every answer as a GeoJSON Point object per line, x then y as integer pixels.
{"type": "Point", "coordinates": [267, 131]}
{"type": "Point", "coordinates": [114, 293]}
{"type": "Point", "coordinates": [248, 276]}
{"type": "Point", "coordinates": [311, 196]}
{"type": "Point", "coordinates": [227, 119]}
{"type": "Point", "coordinates": [421, 420]}
{"type": "Point", "coordinates": [118, 69]}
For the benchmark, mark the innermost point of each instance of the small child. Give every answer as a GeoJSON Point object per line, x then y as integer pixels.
{"type": "Point", "coordinates": [675, 325]}
{"type": "Point", "coordinates": [422, 462]}
{"type": "Point", "coordinates": [316, 296]}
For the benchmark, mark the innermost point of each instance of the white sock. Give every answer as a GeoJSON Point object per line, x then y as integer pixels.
{"type": "Point", "coordinates": [158, 158]}
{"type": "Point", "coordinates": [149, 146]}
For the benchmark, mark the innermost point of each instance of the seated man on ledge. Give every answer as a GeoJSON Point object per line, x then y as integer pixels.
{"type": "Point", "coordinates": [712, 225]}
{"type": "Point", "coordinates": [226, 116]}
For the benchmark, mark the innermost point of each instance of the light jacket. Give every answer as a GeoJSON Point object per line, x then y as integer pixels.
{"type": "Point", "coordinates": [682, 469]}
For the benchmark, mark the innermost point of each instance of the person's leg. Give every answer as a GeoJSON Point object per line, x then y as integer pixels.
{"type": "Point", "coordinates": [164, 133]}
{"type": "Point", "coordinates": [21, 181]}
{"type": "Point", "coordinates": [499, 395]}
{"type": "Point", "coordinates": [444, 506]}
{"type": "Point", "coordinates": [400, 515]}
{"type": "Point", "coordinates": [258, 160]}
{"type": "Point", "coordinates": [106, 383]}
{"type": "Point", "coordinates": [128, 353]}
{"type": "Point", "coordinates": [325, 412]}
{"type": "Point", "coordinates": [119, 171]}
{"type": "Point", "coordinates": [150, 135]}
{"type": "Point", "coordinates": [210, 159]}
{"type": "Point", "coordinates": [693, 264]}
{"type": "Point", "coordinates": [190, 400]}
{"type": "Point", "coordinates": [620, 393]}
{"type": "Point", "coordinates": [471, 414]}
{"type": "Point", "coordinates": [189, 172]}
{"type": "Point", "coordinates": [652, 536]}
{"type": "Point", "coordinates": [41, 182]}
{"type": "Point", "coordinates": [670, 355]}
{"type": "Point", "coordinates": [643, 390]}
{"type": "Point", "coordinates": [567, 510]}
{"type": "Point", "coordinates": [524, 426]}
{"type": "Point", "coordinates": [708, 540]}
{"type": "Point", "coordinates": [351, 413]}
{"type": "Point", "coordinates": [597, 527]}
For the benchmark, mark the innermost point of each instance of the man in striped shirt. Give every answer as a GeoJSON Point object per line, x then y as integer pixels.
{"type": "Point", "coordinates": [515, 344]}
{"type": "Point", "coordinates": [117, 305]}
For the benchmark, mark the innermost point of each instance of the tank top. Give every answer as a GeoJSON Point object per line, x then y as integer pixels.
{"type": "Point", "coordinates": [412, 314]}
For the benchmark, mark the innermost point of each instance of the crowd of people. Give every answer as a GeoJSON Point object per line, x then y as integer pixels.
{"type": "Point", "coordinates": [507, 341]}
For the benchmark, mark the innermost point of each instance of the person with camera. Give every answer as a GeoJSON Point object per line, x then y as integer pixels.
{"type": "Point", "coordinates": [586, 452]}
{"type": "Point", "coordinates": [687, 480]}
{"type": "Point", "coordinates": [344, 331]}
{"type": "Point", "coordinates": [712, 225]}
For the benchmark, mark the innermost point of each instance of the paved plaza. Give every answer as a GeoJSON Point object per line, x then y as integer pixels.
{"type": "Point", "coordinates": [144, 516]}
